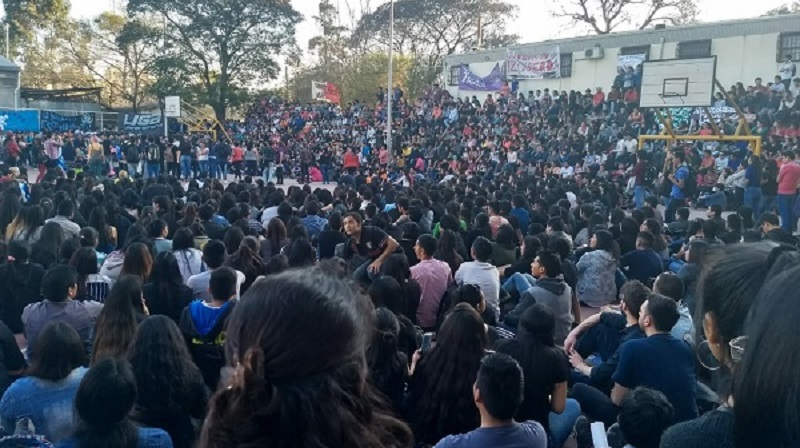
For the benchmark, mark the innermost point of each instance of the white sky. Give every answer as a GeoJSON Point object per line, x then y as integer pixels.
{"type": "Point", "coordinates": [532, 24]}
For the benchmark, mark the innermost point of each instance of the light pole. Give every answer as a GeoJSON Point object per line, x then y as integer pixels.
{"type": "Point", "coordinates": [389, 90]}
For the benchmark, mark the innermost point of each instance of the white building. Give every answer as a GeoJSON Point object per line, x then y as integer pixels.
{"type": "Point", "coordinates": [745, 50]}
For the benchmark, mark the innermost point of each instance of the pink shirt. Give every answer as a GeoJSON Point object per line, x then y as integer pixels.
{"type": "Point", "coordinates": [433, 276]}
{"type": "Point", "coordinates": [788, 178]}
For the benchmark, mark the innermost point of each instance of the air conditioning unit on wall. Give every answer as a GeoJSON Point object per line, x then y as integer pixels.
{"type": "Point", "coordinates": [595, 52]}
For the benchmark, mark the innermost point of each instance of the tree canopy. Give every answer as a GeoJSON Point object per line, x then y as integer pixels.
{"type": "Point", "coordinates": [606, 16]}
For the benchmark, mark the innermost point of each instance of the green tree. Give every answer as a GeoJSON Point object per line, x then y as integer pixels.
{"type": "Point", "coordinates": [27, 17]}
{"type": "Point", "coordinates": [223, 46]}
{"type": "Point", "coordinates": [428, 30]}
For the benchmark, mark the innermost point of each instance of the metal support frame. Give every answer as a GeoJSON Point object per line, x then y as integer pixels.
{"type": "Point", "coordinates": [742, 134]}
{"type": "Point", "coordinates": [195, 120]}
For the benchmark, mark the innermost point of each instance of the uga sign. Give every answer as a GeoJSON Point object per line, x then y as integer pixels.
{"type": "Point", "coordinates": [142, 123]}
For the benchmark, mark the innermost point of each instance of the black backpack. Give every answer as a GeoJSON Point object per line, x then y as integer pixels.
{"type": "Point", "coordinates": [152, 152]}
{"type": "Point", "coordinates": [132, 154]}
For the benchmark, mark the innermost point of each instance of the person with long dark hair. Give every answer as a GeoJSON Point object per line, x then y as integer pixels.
{"type": "Point", "coordinates": [297, 348]}
{"type": "Point", "coordinates": [166, 294]}
{"type": "Point", "coordinates": [171, 388]}
{"type": "Point", "coordinates": [117, 322]}
{"type": "Point", "coordinates": [107, 234]}
{"type": "Point", "coordinates": [597, 270]}
{"type": "Point", "coordinates": [505, 248]}
{"type": "Point", "coordinates": [276, 239]}
{"type": "Point", "coordinates": [447, 250]}
{"type": "Point", "coordinates": [113, 264]}
{"type": "Point", "coordinates": [388, 366]}
{"type": "Point", "coordinates": [91, 285]}
{"type": "Point", "coordinates": [767, 385]}
{"type": "Point", "coordinates": [46, 394]}
{"type": "Point", "coordinates": [396, 266]}
{"type": "Point", "coordinates": [190, 260]}
{"type": "Point", "coordinates": [733, 284]}
{"type": "Point", "coordinates": [247, 261]}
{"type": "Point", "coordinates": [385, 292]}
{"type": "Point", "coordinates": [138, 261]}
{"type": "Point", "coordinates": [20, 284]}
{"type": "Point", "coordinates": [440, 389]}
{"type": "Point", "coordinates": [103, 404]}
{"type": "Point", "coordinates": [46, 251]}
{"type": "Point", "coordinates": [546, 370]}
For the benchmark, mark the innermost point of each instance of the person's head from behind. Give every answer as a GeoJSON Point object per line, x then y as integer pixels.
{"type": "Point", "coordinates": [499, 389]}
{"type": "Point", "coordinates": [60, 283]}
{"type": "Point", "coordinates": [547, 264]}
{"type": "Point", "coordinates": [88, 237]}
{"type": "Point", "coordinates": [103, 404]}
{"type": "Point", "coordinates": [396, 266]}
{"type": "Point", "coordinates": [470, 294]}
{"type": "Point", "coordinates": [462, 330]}
{"type": "Point", "coordinates": [555, 225]}
{"type": "Point", "coordinates": [183, 239]}
{"type": "Point", "coordinates": [57, 351]}
{"type": "Point", "coordinates": [537, 325]}
{"type": "Point", "coordinates": [222, 284]}
{"type": "Point", "coordinates": [160, 357]}
{"type": "Point", "coordinates": [683, 214]}
{"type": "Point", "coordinates": [644, 416]}
{"type": "Point", "coordinates": [19, 252]}
{"type": "Point", "coordinates": [65, 208]}
{"type": "Point", "coordinates": [658, 314]}
{"type": "Point", "coordinates": [214, 254]}
{"type": "Point", "coordinates": [386, 292]}
{"type": "Point", "coordinates": [768, 367]}
{"type": "Point", "coordinates": [632, 295]}
{"type": "Point", "coordinates": [481, 249]}
{"type": "Point", "coordinates": [604, 240]}
{"type": "Point", "coordinates": [138, 261]}
{"type": "Point", "coordinates": [645, 240]}
{"type": "Point", "coordinates": [697, 251]}
{"type": "Point", "coordinates": [669, 285]}
{"type": "Point", "coordinates": [715, 211]}
{"type": "Point", "coordinates": [158, 229]}
{"type": "Point", "coordinates": [297, 345]}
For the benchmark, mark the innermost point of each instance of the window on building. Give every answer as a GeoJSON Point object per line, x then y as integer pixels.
{"type": "Point", "coordinates": [788, 43]}
{"type": "Point", "coordinates": [639, 49]}
{"type": "Point", "coordinates": [693, 49]}
{"type": "Point", "coordinates": [566, 65]}
{"type": "Point", "coordinates": [453, 79]}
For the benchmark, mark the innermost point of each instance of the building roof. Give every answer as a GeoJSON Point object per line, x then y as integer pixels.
{"type": "Point", "coordinates": [696, 31]}
{"type": "Point", "coordinates": [8, 66]}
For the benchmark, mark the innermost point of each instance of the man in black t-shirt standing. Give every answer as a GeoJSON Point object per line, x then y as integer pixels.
{"type": "Point", "coordinates": [367, 242]}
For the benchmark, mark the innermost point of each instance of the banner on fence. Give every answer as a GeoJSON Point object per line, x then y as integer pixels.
{"type": "Point", "coordinates": [492, 82]}
{"type": "Point", "coordinates": [325, 91]}
{"type": "Point", "coordinates": [143, 123]}
{"type": "Point", "coordinates": [19, 120]}
{"type": "Point", "coordinates": [534, 64]}
{"type": "Point", "coordinates": [53, 121]}
{"type": "Point", "coordinates": [625, 61]}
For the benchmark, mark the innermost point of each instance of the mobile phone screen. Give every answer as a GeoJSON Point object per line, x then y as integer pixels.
{"type": "Point", "coordinates": [427, 338]}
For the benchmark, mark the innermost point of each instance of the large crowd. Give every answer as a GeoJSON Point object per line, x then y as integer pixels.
{"type": "Point", "coordinates": [515, 273]}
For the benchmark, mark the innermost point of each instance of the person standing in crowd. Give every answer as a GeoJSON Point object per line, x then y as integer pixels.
{"type": "Point", "coordinates": [788, 181]}
{"type": "Point", "coordinates": [679, 179]}
{"type": "Point", "coordinates": [498, 393]}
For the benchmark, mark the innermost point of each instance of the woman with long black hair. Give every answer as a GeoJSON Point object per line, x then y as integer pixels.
{"type": "Point", "coordinates": [91, 285]}
{"type": "Point", "coordinates": [103, 404]}
{"type": "Point", "coordinates": [171, 388]}
{"type": "Point", "coordinates": [440, 400]}
{"type": "Point", "coordinates": [46, 251]}
{"type": "Point", "coordinates": [20, 284]}
{"type": "Point", "coordinates": [116, 325]}
{"type": "Point", "coordinates": [297, 348]}
{"type": "Point", "coordinates": [388, 366]}
{"type": "Point", "coordinates": [166, 293]}
{"type": "Point", "coordinates": [597, 270]}
{"type": "Point", "coordinates": [106, 234]}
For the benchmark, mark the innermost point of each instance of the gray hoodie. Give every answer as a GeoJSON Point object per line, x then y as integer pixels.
{"type": "Point", "coordinates": [553, 293]}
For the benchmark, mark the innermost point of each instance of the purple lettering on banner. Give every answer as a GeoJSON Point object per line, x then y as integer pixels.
{"type": "Point", "coordinates": [492, 82]}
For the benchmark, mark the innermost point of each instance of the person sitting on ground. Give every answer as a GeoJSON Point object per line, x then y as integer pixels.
{"type": "Point", "coordinates": [670, 285]}
{"type": "Point", "coordinates": [482, 273]}
{"type": "Point", "coordinates": [214, 258]}
{"type": "Point", "coordinates": [642, 264]}
{"type": "Point", "coordinates": [549, 289]}
{"type": "Point", "coordinates": [369, 243]}
{"type": "Point", "coordinates": [774, 232]}
{"type": "Point", "coordinates": [644, 416]}
{"type": "Point", "coordinates": [59, 287]}
{"type": "Point", "coordinates": [498, 393]}
{"type": "Point", "coordinates": [433, 277]}
{"type": "Point", "coordinates": [204, 325]}
{"type": "Point", "coordinates": [103, 404]}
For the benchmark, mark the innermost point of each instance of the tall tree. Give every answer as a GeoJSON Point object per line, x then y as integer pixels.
{"type": "Point", "coordinates": [606, 16]}
{"type": "Point", "coordinates": [223, 45]}
{"type": "Point", "coordinates": [120, 54]}
{"type": "Point", "coordinates": [428, 30]}
{"type": "Point", "coordinates": [787, 8]}
{"type": "Point", "coordinates": [26, 17]}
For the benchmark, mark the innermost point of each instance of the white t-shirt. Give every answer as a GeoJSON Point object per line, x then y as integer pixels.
{"type": "Point", "coordinates": [512, 157]}
{"type": "Point", "coordinates": [199, 285]}
{"type": "Point", "coordinates": [786, 70]}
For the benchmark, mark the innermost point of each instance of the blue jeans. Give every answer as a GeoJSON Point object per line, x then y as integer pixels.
{"type": "Point", "coordinates": [153, 169]}
{"type": "Point", "coordinates": [767, 204]}
{"type": "Point", "coordinates": [203, 165]}
{"type": "Point", "coordinates": [186, 167]}
{"type": "Point", "coordinates": [518, 282]}
{"type": "Point", "coordinates": [638, 196]}
{"type": "Point", "coordinates": [212, 167]}
{"type": "Point", "coordinates": [267, 172]}
{"type": "Point", "coordinates": [324, 169]}
{"type": "Point", "coordinates": [785, 205]}
{"type": "Point", "coordinates": [752, 199]}
{"type": "Point", "coordinates": [222, 165]}
{"type": "Point", "coordinates": [363, 275]}
{"type": "Point", "coordinates": [561, 424]}
{"type": "Point", "coordinates": [133, 169]}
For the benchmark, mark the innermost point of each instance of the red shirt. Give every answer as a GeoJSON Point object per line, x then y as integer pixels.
{"type": "Point", "coordinates": [788, 178]}
{"type": "Point", "coordinates": [237, 154]}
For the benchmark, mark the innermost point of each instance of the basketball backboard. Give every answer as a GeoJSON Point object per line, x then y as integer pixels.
{"type": "Point", "coordinates": [678, 82]}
